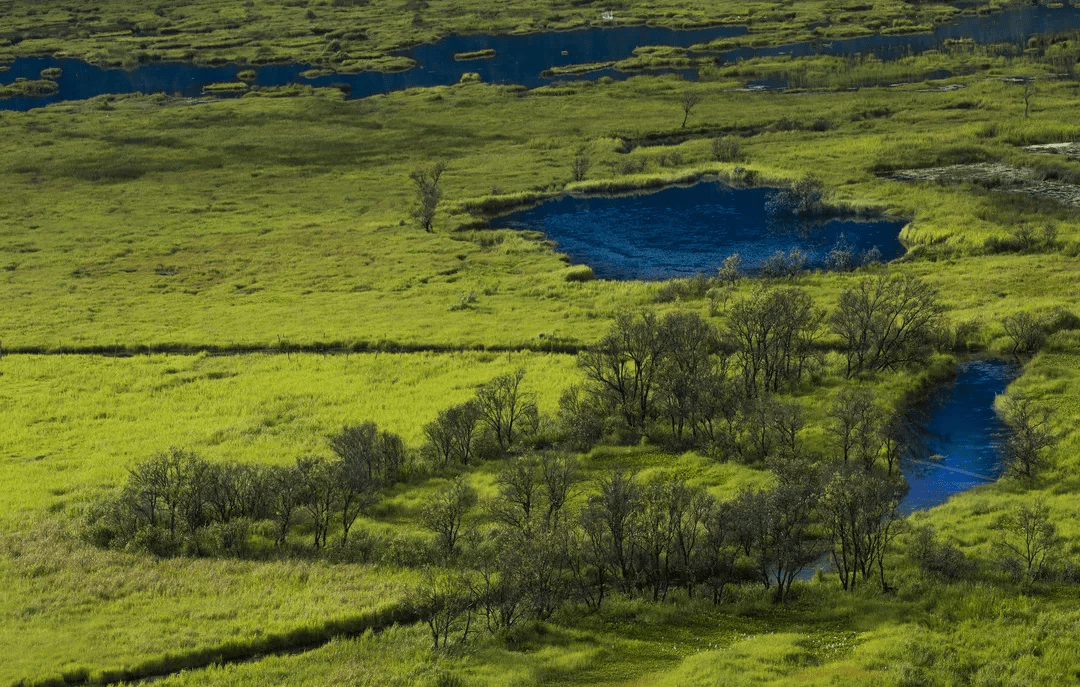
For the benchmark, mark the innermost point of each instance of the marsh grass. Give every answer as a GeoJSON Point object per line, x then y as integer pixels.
{"type": "Point", "coordinates": [279, 224]}
{"type": "Point", "coordinates": [327, 34]}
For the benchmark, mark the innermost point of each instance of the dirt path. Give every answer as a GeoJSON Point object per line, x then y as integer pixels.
{"type": "Point", "coordinates": [995, 176]}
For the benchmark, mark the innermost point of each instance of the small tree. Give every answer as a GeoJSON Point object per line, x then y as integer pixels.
{"type": "Point", "coordinates": [447, 605]}
{"type": "Point", "coordinates": [1028, 541]}
{"type": "Point", "coordinates": [428, 193]}
{"type": "Point", "coordinates": [860, 510]}
{"type": "Point", "coordinates": [558, 475]}
{"type": "Point", "coordinates": [688, 100]}
{"type": "Point", "coordinates": [732, 269]}
{"type": "Point", "coordinates": [842, 257]}
{"type": "Point", "coordinates": [623, 366]}
{"type": "Point", "coordinates": [445, 513]}
{"type": "Point", "coordinates": [450, 436]}
{"type": "Point", "coordinates": [855, 427]}
{"type": "Point", "coordinates": [725, 149]}
{"type": "Point", "coordinates": [582, 417]}
{"type": "Point", "coordinates": [1027, 332]}
{"type": "Point", "coordinates": [505, 408]}
{"type": "Point", "coordinates": [1025, 446]}
{"type": "Point", "coordinates": [777, 526]}
{"type": "Point", "coordinates": [803, 199]}
{"type": "Point", "coordinates": [320, 492]}
{"type": "Point", "coordinates": [886, 322]}
{"type": "Point", "coordinates": [611, 519]}
{"type": "Point", "coordinates": [519, 494]}
{"type": "Point", "coordinates": [286, 493]}
{"type": "Point", "coordinates": [580, 166]}
{"type": "Point", "coordinates": [937, 558]}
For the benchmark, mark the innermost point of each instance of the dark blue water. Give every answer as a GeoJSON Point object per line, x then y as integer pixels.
{"type": "Point", "coordinates": [1013, 26]}
{"type": "Point", "coordinates": [965, 429]}
{"type": "Point", "coordinates": [683, 231]}
{"type": "Point", "coordinates": [521, 59]}
{"type": "Point", "coordinates": [518, 60]}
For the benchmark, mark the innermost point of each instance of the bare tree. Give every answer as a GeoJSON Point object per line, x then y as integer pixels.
{"type": "Point", "coordinates": [654, 537]}
{"type": "Point", "coordinates": [588, 554]}
{"type": "Point", "coordinates": [776, 526]}
{"type": "Point", "coordinates": [519, 494]}
{"type": "Point", "coordinates": [286, 487]}
{"type": "Point", "coordinates": [583, 416]}
{"type": "Point", "coordinates": [320, 493]}
{"type": "Point", "coordinates": [614, 511]}
{"type": "Point", "coordinates": [691, 507]}
{"type": "Point", "coordinates": [368, 461]}
{"type": "Point", "coordinates": [772, 333]}
{"type": "Point", "coordinates": [686, 370]}
{"type": "Point", "coordinates": [688, 100]}
{"type": "Point", "coordinates": [428, 193]}
{"type": "Point", "coordinates": [558, 477]}
{"type": "Point", "coordinates": [785, 420]}
{"type": "Point", "coordinates": [715, 561]}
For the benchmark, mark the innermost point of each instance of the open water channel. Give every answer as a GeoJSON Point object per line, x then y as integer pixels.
{"type": "Point", "coordinates": [521, 59]}
{"type": "Point", "coordinates": [962, 438]}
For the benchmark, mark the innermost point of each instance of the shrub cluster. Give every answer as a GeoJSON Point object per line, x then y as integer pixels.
{"type": "Point", "coordinates": [179, 503]}
{"type": "Point", "coordinates": [530, 553]}
{"type": "Point", "coordinates": [680, 379]}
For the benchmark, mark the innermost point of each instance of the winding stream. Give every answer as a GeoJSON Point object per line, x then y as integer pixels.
{"type": "Point", "coordinates": [521, 59]}
{"type": "Point", "coordinates": [963, 431]}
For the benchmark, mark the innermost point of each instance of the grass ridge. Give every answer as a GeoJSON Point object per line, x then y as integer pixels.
{"type": "Point", "coordinates": [295, 641]}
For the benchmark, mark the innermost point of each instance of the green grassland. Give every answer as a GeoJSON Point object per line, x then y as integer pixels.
{"type": "Point", "coordinates": [142, 223]}
{"type": "Point", "coordinates": [260, 222]}
{"type": "Point", "coordinates": [75, 610]}
{"type": "Point", "coordinates": [355, 35]}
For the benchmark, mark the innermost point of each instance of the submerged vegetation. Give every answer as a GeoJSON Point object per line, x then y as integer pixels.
{"type": "Point", "coordinates": [280, 407]}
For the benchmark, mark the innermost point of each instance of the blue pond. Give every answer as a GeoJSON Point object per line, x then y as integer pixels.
{"type": "Point", "coordinates": [521, 59]}
{"type": "Point", "coordinates": [683, 231]}
{"type": "Point", "coordinates": [963, 432]}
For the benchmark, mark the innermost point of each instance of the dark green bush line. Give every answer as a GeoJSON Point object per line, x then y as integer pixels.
{"type": "Point", "coordinates": [237, 651]}
{"type": "Point", "coordinates": [120, 350]}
